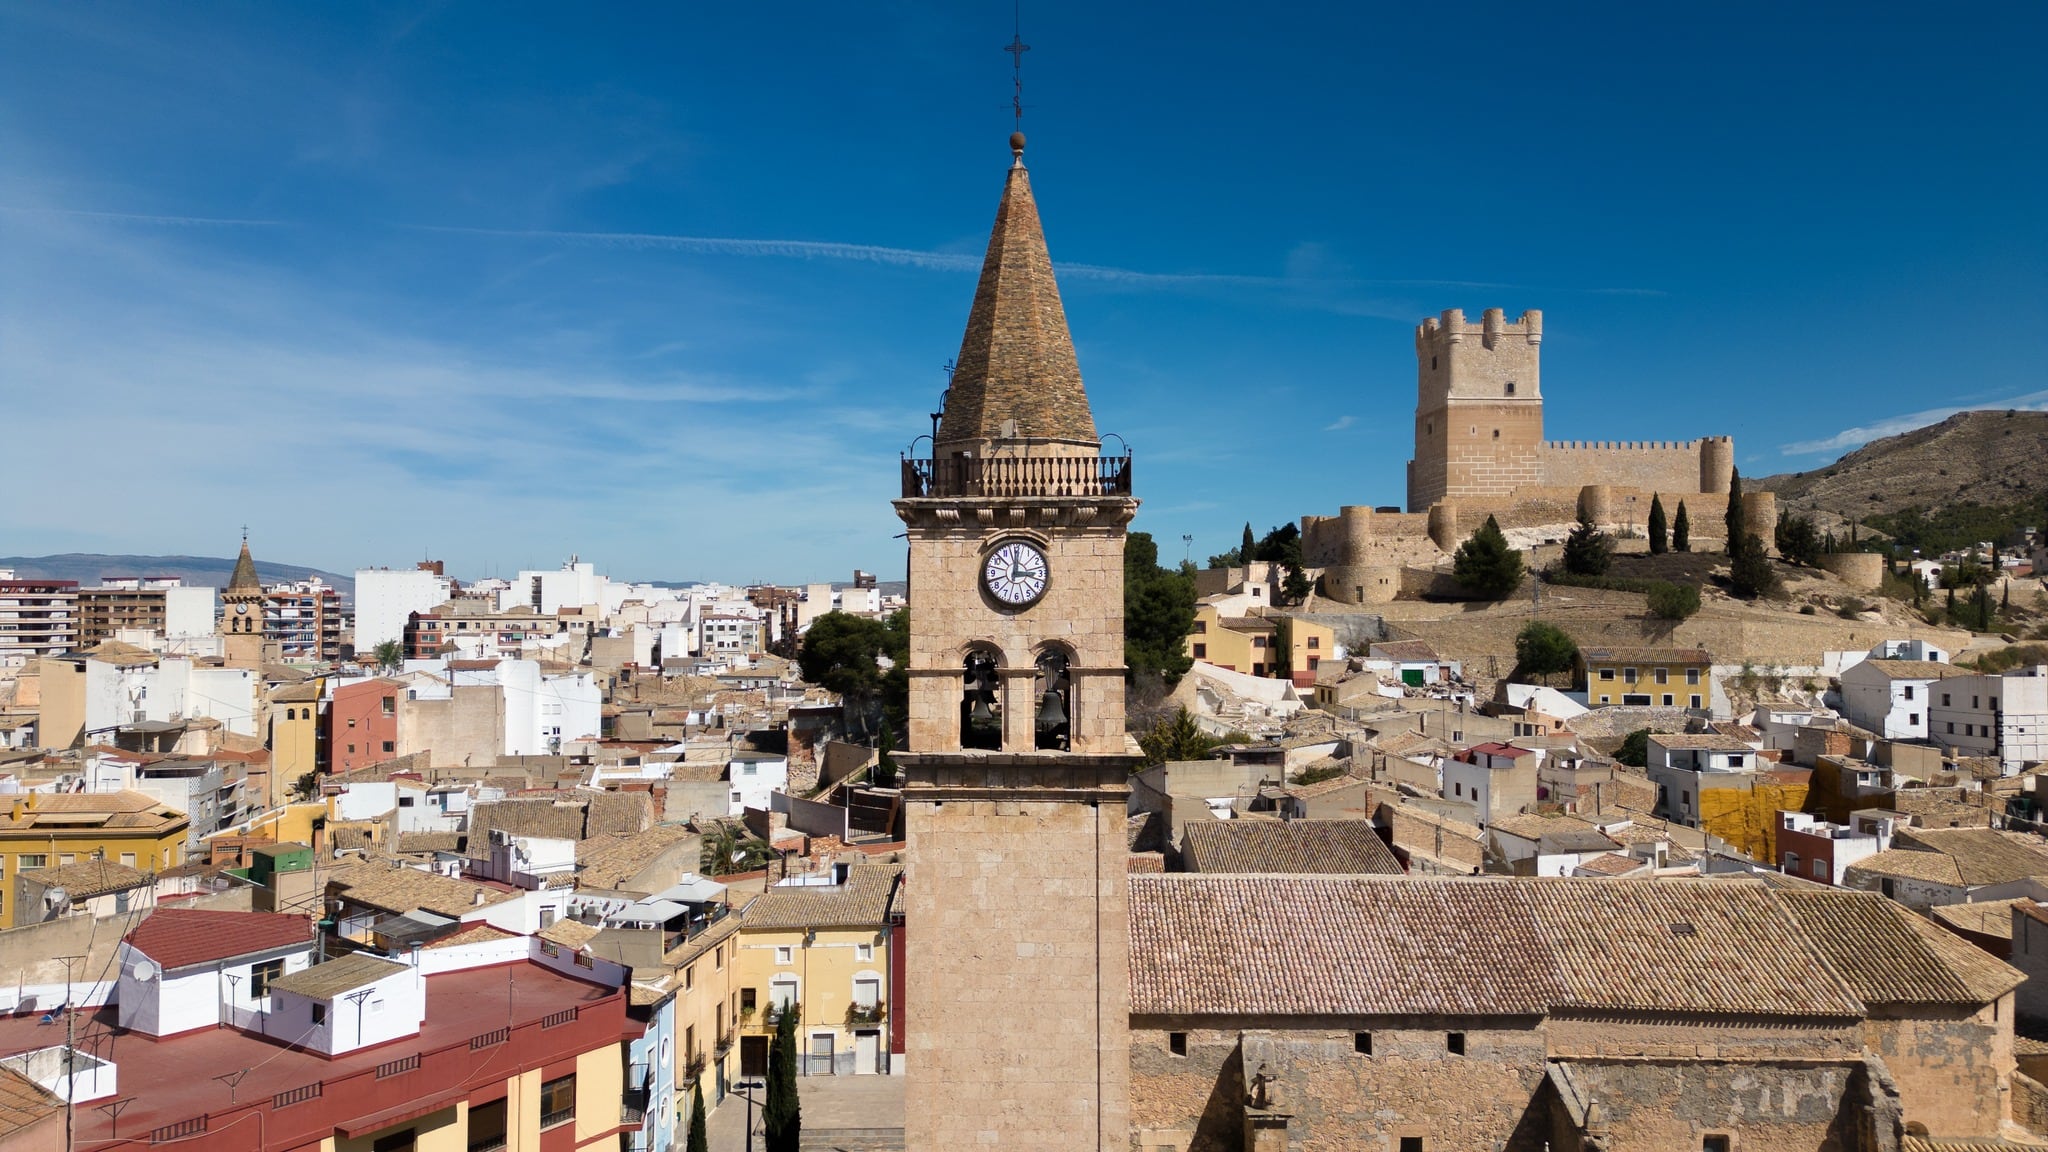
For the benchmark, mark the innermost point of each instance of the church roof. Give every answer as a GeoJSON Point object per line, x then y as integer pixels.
{"type": "Point", "coordinates": [244, 578]}
{"type": "Point", "coordinates": [1017, 359]}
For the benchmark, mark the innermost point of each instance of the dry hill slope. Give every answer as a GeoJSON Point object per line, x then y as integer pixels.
{"type": "Point", "coordinates": [1984, 457]}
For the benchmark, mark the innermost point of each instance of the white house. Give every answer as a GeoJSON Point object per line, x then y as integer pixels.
{"type": "Point", "coordinates": [351, 1002]}
{"type": "Point", "coordinates": [1890, 697]}
{"type": "Point", "coordinates": [573, 585]}
{"type": "Point", "coordinates": [189, 968]}
{"type": "Point", "coordinates": [1677, 762]}
{"type": "Point", "coordinates": [2003, 716]}
{"type": "Point", "coordinates": [1550, 845]}
{"type": "Point", "coordinates": [753, 776]}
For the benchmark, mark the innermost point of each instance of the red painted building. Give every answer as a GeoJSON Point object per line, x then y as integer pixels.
{"type": "Point", "coordinates": [362, 724]}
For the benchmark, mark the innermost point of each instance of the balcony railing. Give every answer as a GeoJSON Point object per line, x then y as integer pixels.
{"type": "Point", "coordinates": [1007, 476]}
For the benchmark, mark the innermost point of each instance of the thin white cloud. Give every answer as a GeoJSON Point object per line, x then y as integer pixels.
{"type": "Point", "coordinates": [1341, 423]}
{"type": "Point", "coordinates": [1849, 438]}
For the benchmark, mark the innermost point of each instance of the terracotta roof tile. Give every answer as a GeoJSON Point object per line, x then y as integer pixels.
{"type": "Point", "coordinates": [398, 889]}
{"type": "Point", "coordinates": [1984, 855]}
{"type": "Point", "coordinates": [24, 1102]}
{"type": "Point", "coordinates": [863, 899]}
{"type": "Point", "coordinates": [89, 878]}
{"type": "Point", "coordinates": [1648, 656]}
{"type": "Point", "coordinates": [1328, 847]}
{"type": "Point", "coordinates": [1888, 954]}
{"type": "Point", "coordinates": [1325, 945]}
{"type": "Point", "coordinates": [182, 937]}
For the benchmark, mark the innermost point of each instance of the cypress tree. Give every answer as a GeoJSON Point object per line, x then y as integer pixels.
{"type": "Point", "coordinates": [1250, 547]}
{"type": "Point", "coordinates": [699, 1140]}
{"type": "Point", "coordinates": [1733, 520]}
{"type": "Point", "coordinates": [1660, 542]}
{"type": "Point", "coordinates": [782, 1117]}
{"type": "Point", "coordinates": [1681, 531]}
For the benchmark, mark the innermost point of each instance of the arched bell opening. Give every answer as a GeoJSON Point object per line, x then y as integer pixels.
{"type": "Point", "coordinates": [1054, 691]}
{"type": "Point", "coordinates": [981, 702]}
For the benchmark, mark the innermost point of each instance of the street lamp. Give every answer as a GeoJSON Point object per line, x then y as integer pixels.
{"type": "Point", "coordinates": [742, 1088]}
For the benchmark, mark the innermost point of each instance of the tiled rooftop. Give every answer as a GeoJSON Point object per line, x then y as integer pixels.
{"type": "Point", "coordinates": [1327, 847]}
{"type": "Point", "coordinates": [182, 937]}
{"type": "Point", "coordinates": [1289, 945]}
{"type": "Point", "coordinates": [1888, 954]}
{"type": "Point", "coordinates": [862, 900]}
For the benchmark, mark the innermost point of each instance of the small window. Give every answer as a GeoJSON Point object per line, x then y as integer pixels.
{"type": "Point", "coordinates": [1607, 673]}
{"type": "Point", "coordinates": [785, 953]}
{"type": "Point", "coordinates": [1201, 651]}
{"type": "Point", "coordinates": [863, 951]}
{"type": "Point", "coordinates": [1716, 1143]}
{"type": "Point", "coordinates": [1951, 728]}
{"type": "Point", "coordinates": [1692, 675]}
{"type": "Point", "coordinates": [1511, 388]}
{"type": "Point", "coordinates": [1411, 1144]}
{"type": "Point", "coordinates": [1361, 1043]}
{"type": "Point", "coordinates": [1944, 700]}
{"type": "Point", "coordinates": [1454, 1042]}
{"type": "Point", "coordinates": [1628, 675]}
{"type": "Point", "coordinates": [389, 746]}
{"type": "Point", "coordinates": [689, 977]}
{"type": "Point", "coordinates": [1663, 676]}
{"type": "Point", "coordinates": [1913, 718]}
{"type": "Point", "coordinates": [319, 1013]}
{"type": "Point", "coordinates": [1496, 433]}
{"type": "Point", "coordinates": [1909, 691]}
{"type": "Point", "coordinates": [558, 1101]}
{"type": "Point", "coordinates": [1315, 642]}
{"type": "Point", "coordinates": [1820, 869]}
{"type": "Point", "coordinates": [260, 976]}
{"type": "Point", "coordinates": [1176, 1043]}
{"type": "Point", "coordinates": [1668, 699]}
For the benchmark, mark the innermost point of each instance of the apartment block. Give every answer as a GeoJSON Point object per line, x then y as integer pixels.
{"type": "Point", "coordinates": [37, 618]}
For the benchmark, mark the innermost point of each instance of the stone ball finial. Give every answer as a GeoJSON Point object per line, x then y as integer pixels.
{"type": "Point", "coordinates": [1016, 143]}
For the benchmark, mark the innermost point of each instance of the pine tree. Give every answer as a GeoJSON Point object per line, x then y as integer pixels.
{"type": "Point", "coordinates": [1486, 565]}
{"type": "Point", "coordinates": [699, 1141]}
{"type": "Point", "coordinates": [782, 1117]}
{"type": "Point", "coordinates": [1733, 520]}
{"type": "Point", "coordinates": [1587, 551]}
{"type": "Point", "coordinates": [1660, 542]}
{"type": "Point", "coordinates": [1681, 531]}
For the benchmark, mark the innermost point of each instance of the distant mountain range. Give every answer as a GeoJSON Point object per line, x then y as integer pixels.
{"type": "Point", "coordinates": [89, 568]}
{"type": "Point", "coordinates": [1997, 456]}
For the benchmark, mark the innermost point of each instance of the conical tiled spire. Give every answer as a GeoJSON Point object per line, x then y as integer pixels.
{"type": "Point", "coordinates": [244, 579]}
{"type": "Point", "coordinates": [1017, 360]}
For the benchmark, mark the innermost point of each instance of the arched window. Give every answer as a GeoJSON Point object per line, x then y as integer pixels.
{"type": "Point", "coordinates": [981, 702]}
{"type": "Point", "coordinates": [291, 714]}
{"type": "Point", "coordinates": [1054, 691]}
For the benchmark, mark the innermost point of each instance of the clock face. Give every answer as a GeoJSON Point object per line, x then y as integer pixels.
{"type": "Point", "coordinates": [1015, 573]}
{"type": "Point", "coordinates": [241, 609]}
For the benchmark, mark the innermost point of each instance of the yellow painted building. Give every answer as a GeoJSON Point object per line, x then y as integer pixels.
{"type": "Point", "coordinates": [825, 949]}
{"type": "Point", "coordinates": [293, 732]}
{"type": "Point", "coordinates": [45, 831]}
{"type": "Point", "coordinates": [1659, 677]}
{"type": "Point", "coordinates": [1237, 643]}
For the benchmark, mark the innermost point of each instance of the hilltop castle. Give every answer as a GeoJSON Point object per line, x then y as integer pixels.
{"type": "Point", "coordinates": [1480, 451]}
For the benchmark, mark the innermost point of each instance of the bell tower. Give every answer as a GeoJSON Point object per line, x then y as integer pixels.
{"type": "Point", "coordinates": [1017, 771]}
{"type": "Point", "coordinates": [241, 620]}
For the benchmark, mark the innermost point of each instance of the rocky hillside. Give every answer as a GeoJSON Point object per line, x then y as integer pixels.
{"type": "Point", "coordinates": [1985, 457]}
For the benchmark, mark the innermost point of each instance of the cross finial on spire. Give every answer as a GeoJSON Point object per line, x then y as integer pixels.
{"type": "Point", "coordinates": [1017, 48]}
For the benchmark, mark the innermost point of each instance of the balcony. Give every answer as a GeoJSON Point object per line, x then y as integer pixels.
{"type": "Point", "coordinates": [1017, 476]}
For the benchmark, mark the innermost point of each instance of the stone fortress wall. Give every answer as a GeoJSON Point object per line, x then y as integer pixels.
{"type": "Point", "coordinates": [1479, 452]}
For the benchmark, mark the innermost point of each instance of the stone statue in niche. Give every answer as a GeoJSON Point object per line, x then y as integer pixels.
{"type": "Point", "coordinates": [1265, 1089]}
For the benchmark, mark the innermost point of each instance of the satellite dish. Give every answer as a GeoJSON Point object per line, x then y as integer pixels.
{"type": "Point", "coordinates": [145, 970]}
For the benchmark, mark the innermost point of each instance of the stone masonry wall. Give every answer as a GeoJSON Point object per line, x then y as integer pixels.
{"type": "Point", "coordinates": [1082, 610]}
{"type": "Point", "coordinates": [1657, 466]}
{"type": "Point", "coordinates": [1953, 1071]}
{"type": "Point", "coordinates": [1657, 1105]}
{"type": "Point", "coordinates": [1020, 1014]}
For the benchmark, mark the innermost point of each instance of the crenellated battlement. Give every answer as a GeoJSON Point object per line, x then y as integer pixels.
{"type": "Point", "coordinates": [1622, 445]}
{"type": "Point", "coordinates": [1452, 328]}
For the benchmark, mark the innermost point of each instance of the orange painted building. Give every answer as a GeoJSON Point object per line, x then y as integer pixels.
{"type": "Point", "coordinates": [362, 724]}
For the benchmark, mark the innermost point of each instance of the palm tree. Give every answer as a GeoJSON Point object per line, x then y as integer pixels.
{"type": "Point", "coordinates": [389, 654]}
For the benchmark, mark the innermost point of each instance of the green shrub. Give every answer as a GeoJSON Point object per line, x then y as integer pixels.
{"type": "Point", "coordinates": [1670, 601]}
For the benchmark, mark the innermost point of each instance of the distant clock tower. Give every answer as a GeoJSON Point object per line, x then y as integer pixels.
{"type": "Point", "coordinates": [1017, 772]}
{"type": "Point", "coordinates": [241, 621]}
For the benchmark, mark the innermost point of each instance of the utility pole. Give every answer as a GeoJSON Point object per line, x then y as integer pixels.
{"type": "Point", "coordinates": [70, 1058]}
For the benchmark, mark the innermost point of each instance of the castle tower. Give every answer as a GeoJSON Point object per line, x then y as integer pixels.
{"type": "Point", "coordinates": [241, 621]}
{"type": "Point", "coordinates": [1478, 407]}
{"type": "Point", "coordinates": [1017, 769]}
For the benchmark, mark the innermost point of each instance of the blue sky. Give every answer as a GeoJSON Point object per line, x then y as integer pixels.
{"type": "Point", "coordinates": [669, 286]}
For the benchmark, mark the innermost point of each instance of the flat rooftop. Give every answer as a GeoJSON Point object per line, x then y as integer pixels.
{"type": "Point", "coordinates": [173, 1080]}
